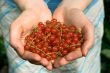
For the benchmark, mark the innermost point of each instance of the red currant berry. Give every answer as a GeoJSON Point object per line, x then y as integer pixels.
{"type": "Point", "coordinates": [65, 52]}
{"type": "Point", "coordinates": [54, 31]}
{"type": "Point", "coordinates": [75, 40]}
{"type": "Point", "coordinates": [73, 48]}
{"type": "Point", "coordinates": [42, 55]}
{"type": "Point", "coordinates": [55, 49]}
{"type": "Point", "coordinates": [54, 55]}
{"type": "Point", "coordinates": [53, 20]}
{"type": "Point", "coordinates": [52, 37]}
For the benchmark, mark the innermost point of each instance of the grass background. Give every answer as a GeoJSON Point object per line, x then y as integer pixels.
{"type": "Point", "coordinates": [105, 53]}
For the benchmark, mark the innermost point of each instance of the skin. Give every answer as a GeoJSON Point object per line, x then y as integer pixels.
{"type": "Point", "coordinates": [71, 12]}
{"type": "Point", "coordinates": [31, 14]}
{"type": "Point", "coordinates": [36, 11]}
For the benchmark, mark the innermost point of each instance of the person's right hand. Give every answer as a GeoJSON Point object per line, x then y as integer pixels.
{"type": "Point", "coordinates": [29, 17]}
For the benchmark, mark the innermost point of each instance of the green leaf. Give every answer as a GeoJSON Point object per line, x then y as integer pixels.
{"type": "Point", "coordinates": [107, 31]}
{"type": "Point", "coordinates": [106, 52]}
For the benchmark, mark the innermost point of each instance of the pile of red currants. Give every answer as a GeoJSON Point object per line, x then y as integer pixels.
{"type": "Point", "coordinates": [53, 39]}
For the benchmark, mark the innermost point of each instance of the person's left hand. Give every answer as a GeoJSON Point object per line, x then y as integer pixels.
{"type": "Point", "coordinates": [75, 17]}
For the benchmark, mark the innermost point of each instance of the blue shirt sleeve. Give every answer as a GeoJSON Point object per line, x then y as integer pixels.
{"type": "Point", "coordinates": [52, 4]}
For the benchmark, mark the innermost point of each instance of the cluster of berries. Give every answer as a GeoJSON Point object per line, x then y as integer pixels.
{"type": "Point", "coordinates": [53, 39]}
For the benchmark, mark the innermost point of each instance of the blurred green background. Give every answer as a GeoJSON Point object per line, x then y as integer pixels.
{"type": "Point", "coordinates": [105, 53]}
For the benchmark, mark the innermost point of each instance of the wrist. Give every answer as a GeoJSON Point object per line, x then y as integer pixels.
{"type": "Point", "coordinates": [78, 4]}
{"type": "Point", "coordinates": [28, 4]}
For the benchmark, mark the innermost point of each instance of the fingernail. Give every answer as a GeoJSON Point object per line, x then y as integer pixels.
{"type": "Point", "coordinates": [85, 53]}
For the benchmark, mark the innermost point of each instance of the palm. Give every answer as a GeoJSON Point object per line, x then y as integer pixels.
{"type": "Point", "coordinates": [32, 18]}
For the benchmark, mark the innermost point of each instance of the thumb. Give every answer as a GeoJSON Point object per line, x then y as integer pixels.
{"type": "Point", "coordinates": [15, 39]}
{"type": "Point", "coordinates": [88, 32]}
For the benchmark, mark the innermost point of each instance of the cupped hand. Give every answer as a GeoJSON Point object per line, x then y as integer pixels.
{"type": "Point", "coordinates": [75, 17]}
{"type": "Point", "coordinates": [22, 26]}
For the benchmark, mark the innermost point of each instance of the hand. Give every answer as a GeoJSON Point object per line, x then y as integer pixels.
{"type": "Point", "coordinates": [21, 27]}
{"type": "Point", "coordinates": [74, 16]}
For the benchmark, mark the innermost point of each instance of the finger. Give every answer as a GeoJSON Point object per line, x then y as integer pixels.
{"type": "Point", "coordinates": [88, 31]}
{"type": "Point", "coordinates": [44, 62]}
{"type": "Point", "coordinates": [58, 14]}
{"type": "Point", "coordinates": [60, 62]}
{"type": "Point", "coordinates": [35, 62]}
{"type": "Point", "coordinates": [31, 56]}
{"type": "Point", "coordinates": [74, 55]}
{"type": "Point", "coordinates": [16, 30]}
{"type": "Point", "coordinates": [49, 66]}
{"type": "Point", "coordinates": [56, 63]}
{"type": "Point", "coordinates": [46, 16]}
{"type": "Point", "coordinates": [63, 61]}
